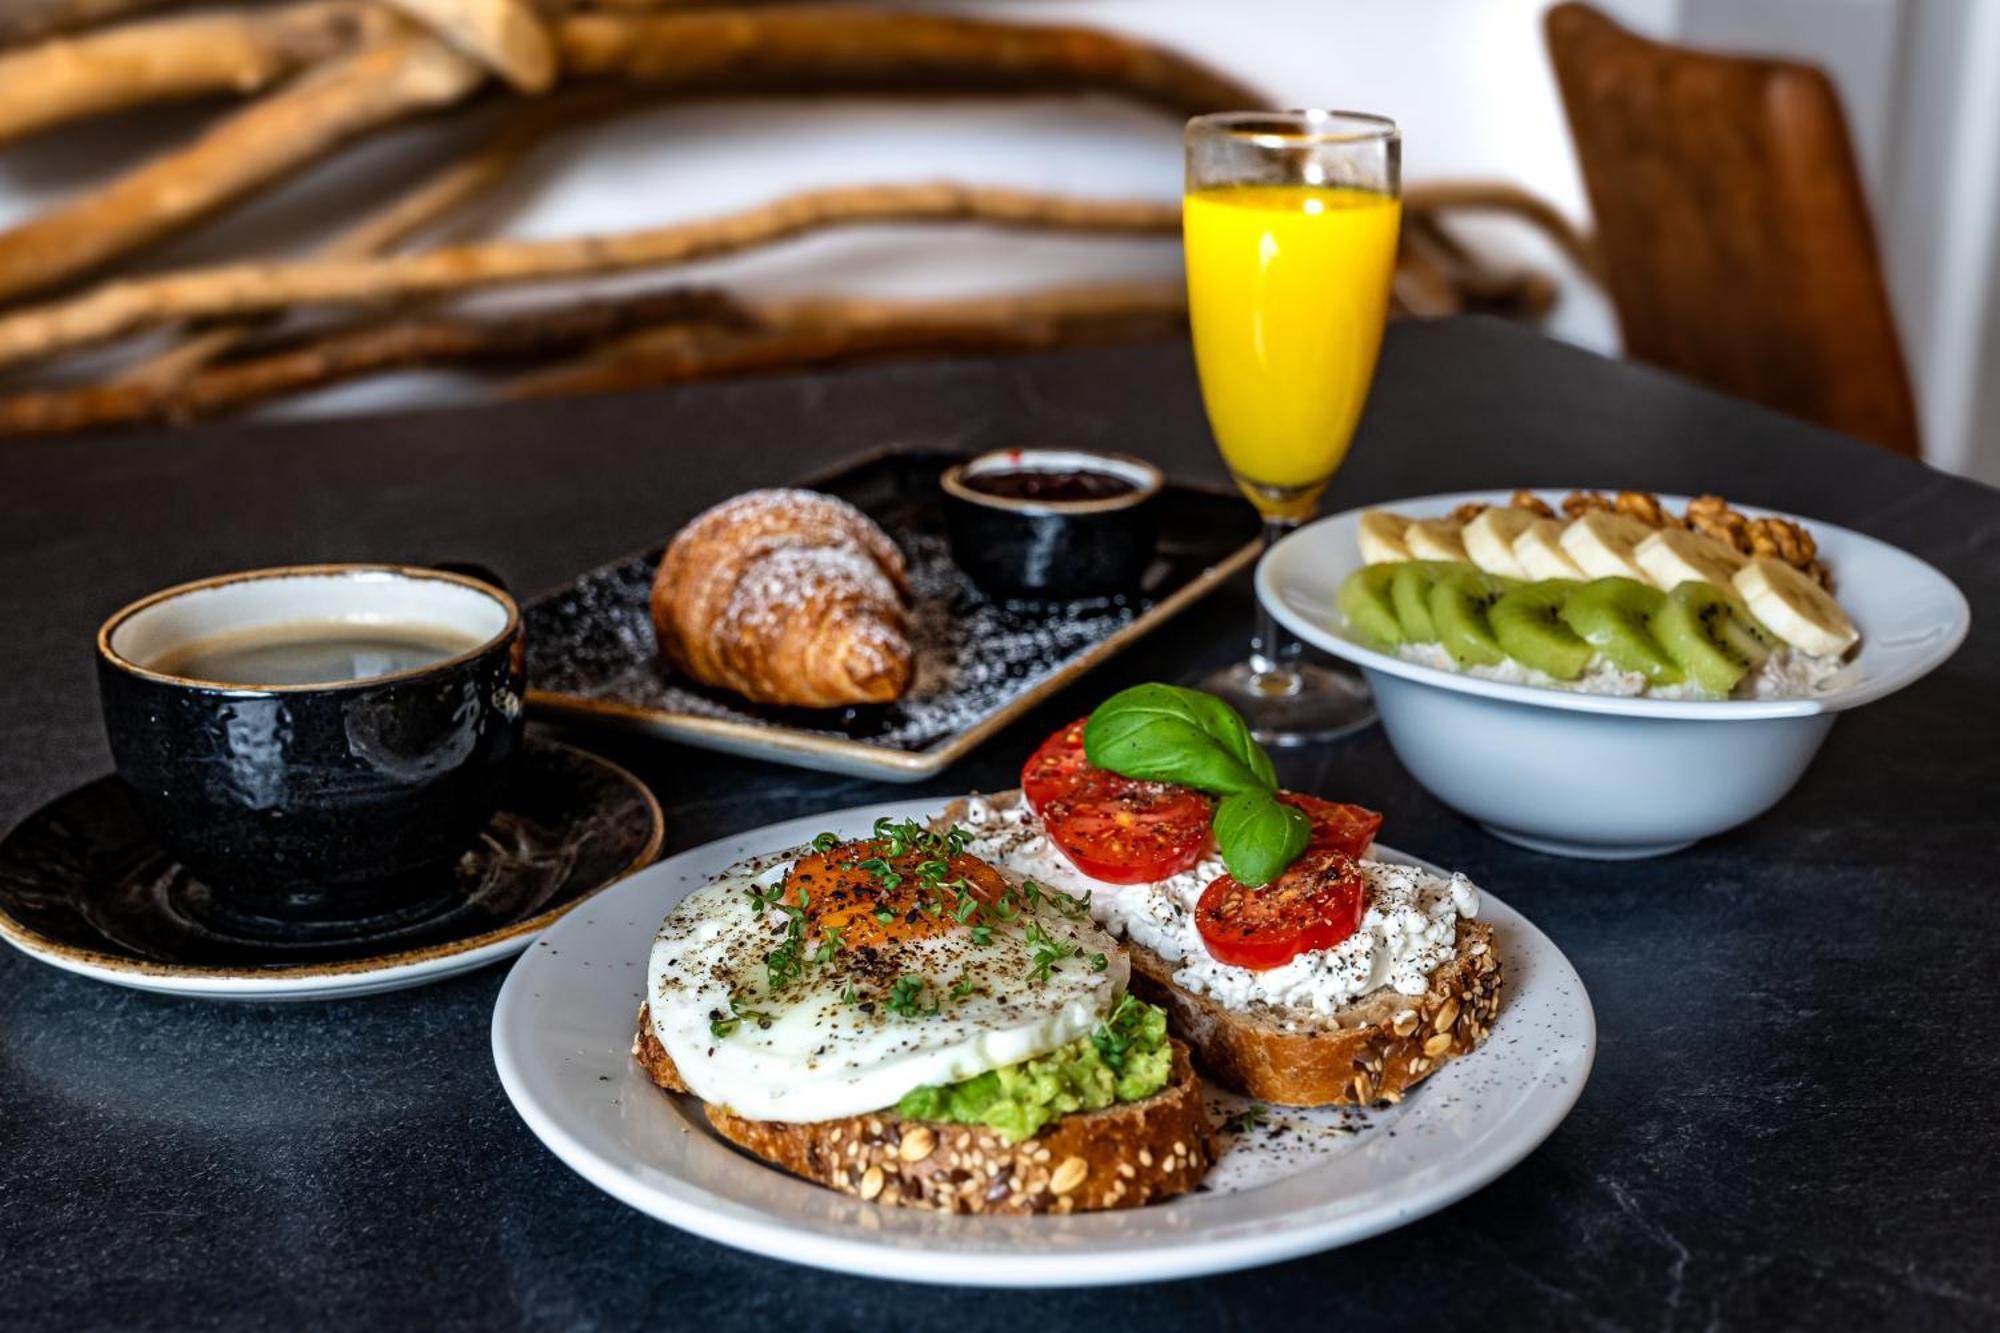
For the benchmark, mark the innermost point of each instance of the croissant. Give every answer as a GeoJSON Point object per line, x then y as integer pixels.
{"type": "Point", "coordinates": [786, 597]}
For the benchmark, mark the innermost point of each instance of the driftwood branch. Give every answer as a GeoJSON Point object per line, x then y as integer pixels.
{"type": "Point", "coordinates": [506, 36]}
{"type": "Point", "coordinates": [696, 53]}
{"type": "Point", "coordinates": [820, 332]}
{"type": "Point", "coordinates": [656, 338]}
{"type": "Point", "coordinates": [74, 78]}
{"type": "Point", "coordinates": [520, 339]}
{"type": "Point", "coordinates": [31, 20]}
{"type": "Point", "coordinates": [1501, 197]}
{"type": "Point", "coordinates": [1438, 276]}
{"type": "Point", "coordinates": [249, 150]}
{"type": "Point", "coordinates": [121, 308]}
{"type": "Point", "coordinates": [804, 48]}
{"type": "Point", "coordinates": [437, 196]}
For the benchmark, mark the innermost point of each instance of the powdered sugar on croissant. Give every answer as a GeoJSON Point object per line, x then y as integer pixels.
{"type": "Point", "coordinates": [786, 597]}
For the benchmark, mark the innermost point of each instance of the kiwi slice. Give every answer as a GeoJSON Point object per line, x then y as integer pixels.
{"type": "Point", "coordinates": [1364, 600]}
{"type": "Point", "coordinates": [1410, 591]}
{"type": "Point", "coordinates": [1746, 633]}
{"type": "Point", "coordinates": [1529, 626]}
{"type": "Point", "coordinates": [1710, 634]}
{"type": "Point", "coordinates": [1615, 616]}
{"type": "Point", "coordinates": [1460, 600]}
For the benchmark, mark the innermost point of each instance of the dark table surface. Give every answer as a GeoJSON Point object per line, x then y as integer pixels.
{"type": "Point", "coordinates": [1792, 1119]}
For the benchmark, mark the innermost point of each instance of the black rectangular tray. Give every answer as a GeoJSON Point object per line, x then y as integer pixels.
{"type": "Point", "coordinates": [980, 662]}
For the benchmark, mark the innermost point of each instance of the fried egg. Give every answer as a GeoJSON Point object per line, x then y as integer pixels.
{"type": "Point", "coordinates": [829, 982]}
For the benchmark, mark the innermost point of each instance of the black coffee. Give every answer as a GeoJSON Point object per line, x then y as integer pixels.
{"type": "Point", "coordinates": [312, 652]}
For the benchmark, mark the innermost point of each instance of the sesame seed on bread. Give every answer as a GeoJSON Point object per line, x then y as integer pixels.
{"type": "Point", "coordinates": [1121, 1157]}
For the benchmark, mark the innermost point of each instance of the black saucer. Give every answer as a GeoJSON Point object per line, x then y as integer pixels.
{"type": "Point", "coordinates": [83, 885]}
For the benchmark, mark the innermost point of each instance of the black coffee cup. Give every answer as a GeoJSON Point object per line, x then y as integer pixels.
{"type": "Point", "coordinates": [316, 799]}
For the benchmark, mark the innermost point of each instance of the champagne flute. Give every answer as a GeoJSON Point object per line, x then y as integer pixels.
{"type": "Point", "coordinates": [1290, 221]}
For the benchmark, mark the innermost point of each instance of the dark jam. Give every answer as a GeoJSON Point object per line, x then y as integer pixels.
{"type": "Point", "coordinates": [1069, 484]}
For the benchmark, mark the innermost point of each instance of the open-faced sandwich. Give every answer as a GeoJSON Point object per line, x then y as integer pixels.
{"type": "Point", "coordinates": [1300, 970]}
{"type": "Point", "coordinates": [899, 1020]}
{"type": "Point", "coordinates": [994, 1013]}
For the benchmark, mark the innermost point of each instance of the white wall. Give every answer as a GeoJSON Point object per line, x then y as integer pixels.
{"type": "Point", "coordinates": [1940, 215]}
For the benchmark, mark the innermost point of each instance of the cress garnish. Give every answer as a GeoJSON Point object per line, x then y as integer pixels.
{"type": "Point", "coordinates": [1114, 1036]}
{"type": "Point", "coordinates": [721, 1026]}
{"type": "Point", "coordinates": [1247, 1119]}
{"type": "Point", "coordinates": [785, 962]}
{"type": "Point", "coordinates": [1048, 951]}
{"type": "Point", "coordinates": [904, 996]}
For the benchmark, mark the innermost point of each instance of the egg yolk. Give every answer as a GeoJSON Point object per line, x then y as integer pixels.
{"type": "Point", "coordinates": [874, 899]}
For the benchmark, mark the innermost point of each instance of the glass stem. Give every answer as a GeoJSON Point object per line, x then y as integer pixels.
{"type": "Point", "coordinates": [1273, 652]}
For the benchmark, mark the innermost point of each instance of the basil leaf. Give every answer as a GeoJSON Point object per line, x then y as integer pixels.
{"type": "Point", "coordinates": [1227, 728]}
{"type": "Point", "coordinates": [1259, 835]}
{"type": "Point", "coordinates": [1161, 733]}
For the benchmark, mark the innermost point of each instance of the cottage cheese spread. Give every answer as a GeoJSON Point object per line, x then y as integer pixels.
{"type": "Point", "coordinates": [1407, 932]}
{"type": "Point", "coordinates": [1785, 674]}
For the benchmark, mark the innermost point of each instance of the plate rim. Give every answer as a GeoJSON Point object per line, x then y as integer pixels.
{"type": "Point", "coordinates": [308, 980]}
{"type": "Point", "coordinates": [857, 1255]}
{"type": "Point", "coordinates": [1867, 690]}
{"type": "Point", "coordinates": [790, 745]}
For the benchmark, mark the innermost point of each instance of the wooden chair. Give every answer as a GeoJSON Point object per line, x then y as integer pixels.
{"type": "Point", "coordinates": [1732, 228]}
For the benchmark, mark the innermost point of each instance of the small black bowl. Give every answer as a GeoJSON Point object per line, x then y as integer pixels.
{"type": "Point", "coordinates": [1049, 548]}
{"type": "Point", "coordinates": [323, 801]}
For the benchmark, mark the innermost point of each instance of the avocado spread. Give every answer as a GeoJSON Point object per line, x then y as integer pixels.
{"type": "Point", "coordinates": [1125, 1059]}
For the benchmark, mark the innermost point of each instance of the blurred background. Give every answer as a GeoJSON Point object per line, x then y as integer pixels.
{"type": "Point", "coordinates": [1916, 83]}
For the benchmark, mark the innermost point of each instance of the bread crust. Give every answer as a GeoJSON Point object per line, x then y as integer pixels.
{"type": "Point", "coordinates": [1121, 1157]}
{"type": "Point", "coordinates": [1374, 1051]}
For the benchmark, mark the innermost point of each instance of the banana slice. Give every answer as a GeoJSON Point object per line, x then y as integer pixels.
{"type": "Point", "coordinates": [1381, 537]}
{"type": "Point", "coordinates": [1539, 549]}
{"type": "Point", "coordinates": [1673, 556]}
{"type": "Point", "coordinates": [1489, 540]}
{"type": "Point", "coordinates": [1795, 608]}
{"type": "Point", "coordinates": [1602, 545]}
{"type": "Point", "coordinates": [1436, 539]}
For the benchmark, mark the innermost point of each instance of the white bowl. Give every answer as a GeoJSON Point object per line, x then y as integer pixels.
{"type": "Point", "coordinates": [1597, 775]}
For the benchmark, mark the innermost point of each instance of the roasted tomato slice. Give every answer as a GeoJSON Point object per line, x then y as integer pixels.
{"type": "Point", "coordinates": [1056, 768]}
{"type": "Point", "coordinates": [1315, 904]}
{"type": "Point", "coordinates": [1336, 827]}
{"type": "Point", "coordinates": [1114, 829]}
{"type": "Point", "coordinates": [1123, 831]}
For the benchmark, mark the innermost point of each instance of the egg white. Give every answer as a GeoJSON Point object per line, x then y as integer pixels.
{"type": "Point", "coordinates": [820, 1057]}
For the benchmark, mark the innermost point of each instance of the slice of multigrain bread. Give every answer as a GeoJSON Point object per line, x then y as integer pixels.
{"type": "Point", "coordinates": [1121, 1157]}
{"type": "Point", "coordinates": [1373, 1050]}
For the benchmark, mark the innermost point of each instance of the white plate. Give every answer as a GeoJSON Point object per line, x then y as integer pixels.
{"type": "Point", "coordinates": [1911, 617]}
{"type": "Point", "coordinates": [562, 1037]}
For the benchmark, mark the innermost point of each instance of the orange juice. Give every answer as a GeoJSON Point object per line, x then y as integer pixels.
{"type": "Point", "coordinates": [1288, 286]}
